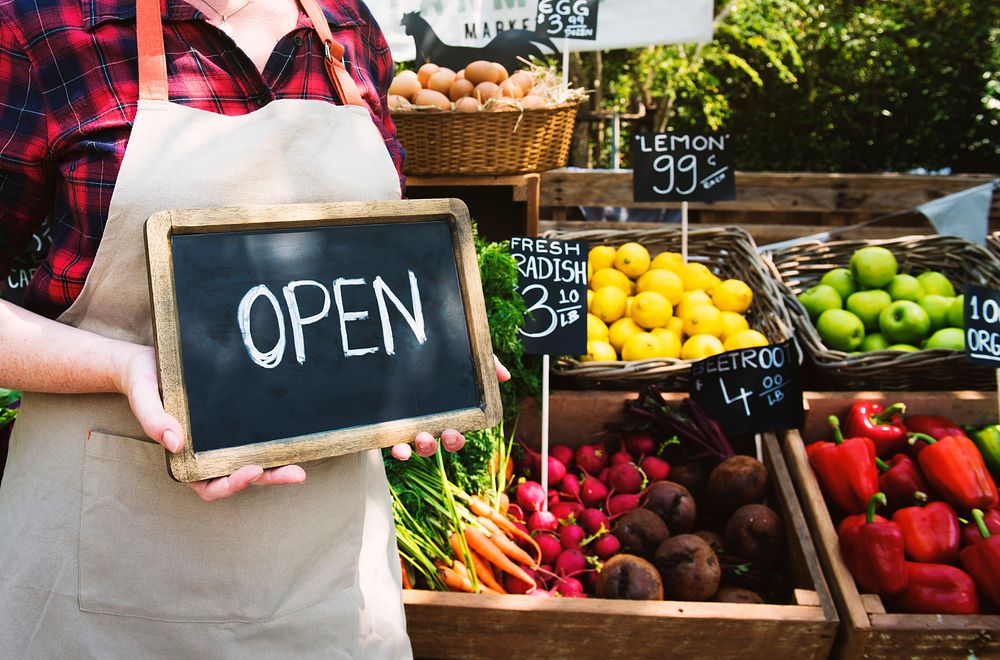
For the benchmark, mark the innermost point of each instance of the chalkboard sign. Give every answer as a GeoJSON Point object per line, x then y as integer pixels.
{"type": "Point", "coordinates": [752, 389]}
{"type": "Point", "coordinates": [552, 279]}
{"type": "Point", "coordinates": [671, 167]}
{"type": "Point", "coordinates": [982, 324]}
{"type": "Point", "coordinates": [573, 19]}
{"type": "Point", "coordinates": [24, 267]}
{"type": "Point", "coordinates": [291, 333]}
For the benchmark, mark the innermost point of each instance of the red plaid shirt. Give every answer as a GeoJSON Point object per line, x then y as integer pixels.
{"type": "Point", "coordinates": [68, 95]}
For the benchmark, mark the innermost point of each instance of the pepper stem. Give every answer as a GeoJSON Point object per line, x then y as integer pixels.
{"type": "Point", "coordinates": [838, 436]}
{"type": "Point", "coordinates": [977, 516]}
{"type": "Point", "coordinates": [885, 417]}
{"type": "Point", "coordinates": [913, 437]}
{"type": "Point", "coordinates": [878, 499]}
{"type": "Point", "coordinates": [881, 465]}
{"type": "Point", "coordinates": [920, 498]}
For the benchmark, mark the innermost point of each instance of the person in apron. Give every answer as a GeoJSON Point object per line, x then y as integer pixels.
{"type": "Point", "coordinates": [101, 553]}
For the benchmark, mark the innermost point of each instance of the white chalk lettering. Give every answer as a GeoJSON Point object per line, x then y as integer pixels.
{"type": "Point", "coordinates": [414, 320]}
{"type": "Point", "coordinates": [296, 317]}
{"type": "Point", "coordinates": [271, 358]}
{"type": "Point", "coordinates": [338, 296]}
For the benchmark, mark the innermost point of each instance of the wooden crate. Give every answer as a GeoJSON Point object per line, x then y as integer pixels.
{"type": "Point", "coordinates": [867, 631]}
{"type": "Point", "coordinates": [452, 625]}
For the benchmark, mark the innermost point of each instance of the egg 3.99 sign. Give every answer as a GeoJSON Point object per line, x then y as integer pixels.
{"type": "Point", "coordinates": [573, 19]}
{"type": "Point", "coordinates": [552, 279]}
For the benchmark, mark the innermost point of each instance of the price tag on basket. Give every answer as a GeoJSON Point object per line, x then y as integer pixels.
{"type": "Point", "coordinates": [982, 324]}
{"type": "Point", "coordinates": [674, 167]}
{"type": "Point", "coordinates": [751, 390]}
{"type": "Point", "coordinates": [571, 19]}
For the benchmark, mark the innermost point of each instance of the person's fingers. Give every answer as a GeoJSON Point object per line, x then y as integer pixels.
{"type": "Point", "coordinates": [280, 476]}
{"type": "Point", "coordinates": [142, 389]}
{"type": "Point", "coordinates": [212, 490]}
{"type": "Point", "coordinates": [452, 440]}
{"type": "Point", "coordinates": [401, 452]}
{"type": "Point", "coordinates": [425, 444]}
{"type": "Point", "coordinates": [503, 374]}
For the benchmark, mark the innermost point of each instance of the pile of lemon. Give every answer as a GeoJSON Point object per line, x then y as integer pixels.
{"type": "Point", "coordinates": [642, 308]}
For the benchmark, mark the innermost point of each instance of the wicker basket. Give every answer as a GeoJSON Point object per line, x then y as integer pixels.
{"type": "Point", "coordinates": [730, 253]}
{"type": "Point", "coordinates": [483, 143]}
{"type": "Point", "coordinates": [802, 266]}
{"type": "Point", "coordinates": [993, 243]}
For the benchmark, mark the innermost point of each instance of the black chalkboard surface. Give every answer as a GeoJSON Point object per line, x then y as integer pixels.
{"type": "Point", "coordinates": [981, 310]}
{"type": "Point", "coordinates": [674, 167]}
{"type": "Point", "coordinates": [353, 330]}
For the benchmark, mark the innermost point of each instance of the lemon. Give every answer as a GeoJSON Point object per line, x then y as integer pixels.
{"type": "Point", "coordinates": [596, 329]}
{"type": "Point", "coordinates": [670, 342]}
{"type": "Point", "coordinates": [690, 300]}
{"type": "Point", "coordinates": [732, 322]}
{"type": "Point", "coordinates": [632, 259]}
{"type": "Point", "coordinates": [701, 346]}
{"type": "Point", "coordinates": [675, 325]}
{"type": "Point", "coordinates": [697, 276]}
{"type": "Point", "coordinates": [668, 261]}
{"type": "Point", "coordinates": [609, 304]}
{"type": "Point", "coordinates": [601, 256]}
{"type": "Point", "coordinates": [620, 331]}
{"type": "Point", "coordinates": [703, 320]}
{"type": "Point", "coordinates": [745, 339]}
{"type": "Point", "coordinates": [641, 346]}
{"type": "Point", "coordinates": [590, 298]}
{"type": "Point", "coordinates": [665, 282]}
{"type": "Point", "coordinates": [651, 310]}
{"type": "Point", "coordinates": [599, 351]}
{"type": "Point", "coordinates": [611, 277]}
{"type": "Point", "coordinates": [732, 296]}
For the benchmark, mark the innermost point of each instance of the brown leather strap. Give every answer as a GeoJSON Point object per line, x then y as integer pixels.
{"type": "Point", "coordinates": [333, 56]}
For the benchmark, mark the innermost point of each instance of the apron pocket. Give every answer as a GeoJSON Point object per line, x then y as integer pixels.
{"type": "Point", "coordinates": [150, 548]}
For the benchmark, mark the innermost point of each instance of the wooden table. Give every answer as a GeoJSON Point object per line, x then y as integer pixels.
{"type": "Point", "coordinates": [501, 206]}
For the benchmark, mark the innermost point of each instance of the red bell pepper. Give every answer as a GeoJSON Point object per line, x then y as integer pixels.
{"type": "Point", "coordinates": [955, 468]}
{"type": "Point", "coordinates": [873, 553]}
{"type": "Point", "coordinates": [970, 531]}
{"type": "Point", "coordinates": [930, 531]}
{"type": "Point", "coordinates": [845, 470]}
{"type": "Point", "coordinates": [982, 560]}
{"type": "Point", "coordinates": [899, 479]}
{"type": "Point", "coordinates": [884, 426]}
{"type": "Point", "coordinates": [933, 425]}
{"type": "Point", "coordinates": [937, 589]}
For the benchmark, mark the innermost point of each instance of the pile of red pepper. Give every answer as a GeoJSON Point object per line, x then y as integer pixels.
{"type": "Point", "coordinates": [939, 551]}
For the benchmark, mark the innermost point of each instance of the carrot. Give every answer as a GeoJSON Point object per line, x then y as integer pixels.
{"type": "Point", "coordinates": [491, 553]}
{"type": "Point", "coordinates": [406, 576]}
{"type": "Point", "coordinates": [504, 503]}
{"type": "Point", "coordinates": [481, 508]}
{"type": "Point", "coordinates": [453, 579]}
{"type": "Point", "coordinates": [519, 554]}
{"type": "Point", "coordinates": [483, 570]}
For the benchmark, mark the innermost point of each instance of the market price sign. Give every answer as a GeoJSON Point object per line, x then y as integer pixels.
{"type": "Point", "coordinates": [982, 324]}
{"type": "Point", "coordinates": [672, 167]}
{"type": "Point", "coordinates": [752, 389]}
{"type": "Point", "coordinates": [572, 19]}
{"type": "Point", "coordinates": [552, 279]}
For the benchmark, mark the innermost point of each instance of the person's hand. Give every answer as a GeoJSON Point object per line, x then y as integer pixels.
{"type": "Point", "coordinates": [452, 440]}
{"type": "Point", "coordinates": [138, 381]}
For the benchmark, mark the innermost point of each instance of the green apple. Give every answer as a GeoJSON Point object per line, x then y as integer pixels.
{"type": "Point", "coordinates": [873, 267]}
{"type": "Point", "coordinates": [953, 338]}
{"type": "Point", "coordinates": [936, 283]}
{"type": "Point", "coordinates": [909, 348]}
{"type": "Point", "coordinates": [904, 322]}
{"type": "Point", "coordinates": [840, 330]}
{"type": "Point", "coordinates": [874, 342]}
{"type": "Point", "coordinates": [818, 299]}
{"type": "Point", "coordinates": [905, 287]}
{"type": "Point", "coordinates": [937, 308]}
{"type": "Point", "coordinates": [867, 305]}
{"type": "Point", "coordinates": [841, 280]}
{"type": "Point", "coordinates": [956, 313]}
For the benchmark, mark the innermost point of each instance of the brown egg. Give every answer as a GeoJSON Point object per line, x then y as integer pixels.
{"type": "Point", "coordinates": [431, 98]}
{"type": "Point", "coordinates": [460, 74]}
{"type": "Point", "coordinates": [481, 71]}
{"type": "Point", "coordinates": [426, 71]}
{"type": "Point", "coordinates": [405, 84]}
{"type": "Point", "coordinates": [524, 80]}
{"type": "Point", "coordinates": [485, 91]}
{"type": "Point", "coordinates": [502, 74]}
{"type": "Point", "coordinates": [460, 89]}
{"type": "Point", "coordinates": [533, 102]}
{"type": "Point", "coordinates": [441, 81]}
{"type": "Point", "coordinates": [467, 104]}
{"type": "Point", "coordinates": [511, 89]}
{"type": "Point", "coordinates": [397, 102]}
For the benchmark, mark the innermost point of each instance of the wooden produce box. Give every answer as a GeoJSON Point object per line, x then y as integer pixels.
{"type": "Point", "coordinates": [867, 631]}
{"type": "Point", "coordinates": [454, 625]}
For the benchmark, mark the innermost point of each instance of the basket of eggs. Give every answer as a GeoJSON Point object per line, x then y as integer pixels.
{"type": "Point", "coordinates": [482, 119]}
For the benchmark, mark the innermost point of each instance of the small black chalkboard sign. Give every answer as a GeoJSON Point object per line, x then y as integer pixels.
{"type": "Point", "coordinates": [751, 390]}
{"type": "Point", "coordinates": [982, 324]}
{"type": "Point", "coordinates": [673, 167]}
{"type": "Point", "coordinates": [573, 19]}
{"type": "Point", "coordinates": [24, 267]}
{"type": "Point", "coordinates": [292, 333]}
{"type": "Point", "coordinates": [552, 279]}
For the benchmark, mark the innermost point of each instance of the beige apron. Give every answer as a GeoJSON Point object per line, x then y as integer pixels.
{"type": "Point", "coordinates": [101, 553]}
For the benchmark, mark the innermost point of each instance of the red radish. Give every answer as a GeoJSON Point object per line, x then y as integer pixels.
{"type": "Point", "coordinates": [566, 510]}
{"type": "Point", "coordinates": [515, 512]}
{"type": "Point", "coordinates": [606, 546]}
{"type": "Point", "coordinates": [549, 545]}
{"type": "Point", "coordinates": [625, 478]}
{"type": "Point", "coordinates": [570, 562]}
{"type": "Point", "coordinates": [640, 444]}
{"type": "Point", "coordinates": [571, 536]}
{"type": "Point", "coordinates": [530, 495]}
{"type": "Point", "coordinates": [592, 491]}
{"type": "Point", "coordinates": [656, 469]}
{"type": "Point", "coordinates": [541, 593]}
{"type": "Point", "coordinates": [553, 497]}
{"type": "Point", "coordinates": [521, 526]}
{"type": "Point", "coordinates": [593, 519]}
{"type": "Point", "coordinates": [516, 586]}
{"type": "Point", "coordinates": [603, 475]}
{"type": "Point", "coordinates": [563, 454]}
{"type": "Point", "coordinates": [557, 469]}
{"type": "Point", "coordinates": [569, 587]}
{"type": "Point", "coordinates": [620, 457]}
{"type": "Point", "coordinates": [591, 458]}
{"type": "Point", "coordinates": [545, 575]}
{"type": "Point", "coordinates": [623, 503]}
{"type": "Point", "coordinates": [543, 521]}
{"type": "Point", "coordinates": [570, 486]}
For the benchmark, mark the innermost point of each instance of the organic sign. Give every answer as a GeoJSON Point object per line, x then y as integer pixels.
{"type": "Point", "coordinates": [573, 19]}
{"type": "Point", "coordinates": [671, 167]}
{"type": "Point", "coordinates": [552, 279]}
{"type": "Point", "coordinates": [982, 324]}
{"type": "Point", "coordinates": [304, 331]}
{"type": "Point", "coordinates": [752, 389]}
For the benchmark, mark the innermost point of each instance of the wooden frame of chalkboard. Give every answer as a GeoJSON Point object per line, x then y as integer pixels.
{"type": "Point", "coordinates": [162, 228]}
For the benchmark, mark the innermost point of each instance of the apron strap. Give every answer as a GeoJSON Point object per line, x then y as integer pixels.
{"type": "Point", "coordinates": [153, 60]}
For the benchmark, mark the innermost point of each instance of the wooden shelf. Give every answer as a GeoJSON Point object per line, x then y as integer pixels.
{"type": "Point", "coordinates": [501, 206]}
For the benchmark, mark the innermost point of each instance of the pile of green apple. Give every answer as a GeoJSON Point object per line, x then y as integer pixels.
{"type": "Point", "coordinates": [870, 306]}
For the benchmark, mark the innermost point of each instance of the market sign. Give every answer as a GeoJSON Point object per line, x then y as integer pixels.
{"type": "Point", "coordinates": [982, 324]}
{"type": "Point", "coordinates": [751, 390]}
{"type": "Point", "coordinates": [296, 332]}
{"type": "Point", "coordinates": [552, 279]}
{"type": "Point", "coordinates": [571, 19]}
{"type": "Point", "coordinates": [676, 167]}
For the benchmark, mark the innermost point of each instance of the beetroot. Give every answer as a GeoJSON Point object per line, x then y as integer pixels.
{"type": "Point", "coordinates": [640, 444]}
{"type": "Point", "coordinates": [571, 536]}
{"type": "Point", "coordinates": [569, 587]}
{"type": "Point", "coordinates": [593, 519]}
{"type": "Point", "coordinates": [606, 546]}
{"type": "Point", "coordinates": [620, 457]}
{"type": "Point", "coordinates": [592, 491]}
{"type": "Point", "coordinates": [563, 454]}
{"type": "Point", "coordinates": [641, 532]}
{"type": "Point", "coordinates": [571, 562]}
{"type": "Point", "coordinates": [566, 510]}
{"type": "Point", "coordinates": [755, 532]}
{"type": "Point", "coordinates": [631, 577]}
{"type": "Point", "coordinates": [672, 502]}
{"type": "Point", "coordinates": [625, 478]}
{"type": "Point", "coordinates": [541, 521]}
{"type": "Point", "coordinates": [655, 469]}
{"type": "Point", "coordinates": [530, 495]}
{"type": "Point", "coordinates": [591, 458]}
{"type": "Point", "coordinates": [736, 481]}
{"type": "Point", "coordinates": [550, 546]}
{"type": "Point", "coordinates": [689, 568]}
{"type": "Point", "coordinates": [570, 487]}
